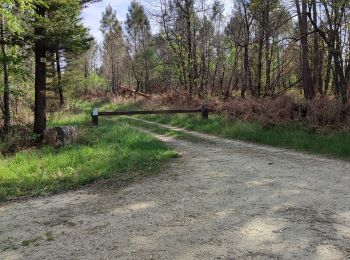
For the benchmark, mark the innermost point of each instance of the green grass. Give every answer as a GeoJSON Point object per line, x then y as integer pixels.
{"type": "Point", "coordinates": [162, 130]}
{"type": "Point", "coordinates": [292, 136]}
{"type": "Point", "coordinates": [111, 150]}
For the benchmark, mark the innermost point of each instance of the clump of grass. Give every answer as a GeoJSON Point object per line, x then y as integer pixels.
{"type": "Point", "coordinates": [33, 241]}
{"type": "Point", "coordinates": [49, 236]}
{"type": "Point", "coordinates": [110, 150]}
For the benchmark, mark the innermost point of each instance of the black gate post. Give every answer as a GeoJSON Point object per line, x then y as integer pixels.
{"type": "Point", "coordinates": [94, 116]}
{"type": "Point", "coordinates": [205, 112]}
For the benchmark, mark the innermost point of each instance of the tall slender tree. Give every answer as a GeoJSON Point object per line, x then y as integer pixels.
{"type": "Point", "coordinates": [113, 46]}
{"type": "Point", "coordinates": [12, 29]}
{"type": "Point", "coordinates": [47, 37]}
{"type": "Point", "coordinates": [138, 39]}
{"type": "Point", "coordinates": [306, 76]}
{"type": "Point", "coordinates": [6, 83]}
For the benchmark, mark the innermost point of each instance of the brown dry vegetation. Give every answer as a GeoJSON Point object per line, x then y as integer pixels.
{"type": "Point", "coordinates": [322, 114]}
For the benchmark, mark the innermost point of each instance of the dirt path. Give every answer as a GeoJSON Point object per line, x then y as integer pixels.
{"type": "Point", "coordinates": [223, 199]}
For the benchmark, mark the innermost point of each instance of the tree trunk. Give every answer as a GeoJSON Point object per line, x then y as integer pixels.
{"type": "Point", "coordinates": [189, 55]}
{"type": "Point", "coordinates": [335, 85]}
{"type": "Point", "coordinates": [203, 70]}
{"type": "Point", "coordinates": [114, 83]}
{"type": "Point", "coordinates": [40, 77]}
{"type": "Point", "coordinates": [317, 61]}
{"type": "Point", "coordinates": [246, 80]}
{"type": "Point", "coordinates": [262, 31]}
{"type": "Point", "coordinates": [59, 79]}
{"type": "Point", "coordinates": [222, 79]}
{"type": "Point", "coordinates": [147, 85]}
{"type": "Point", "coordinates": [86, 74]}
{"type": "Point", "coordinates": [267, 56]}
{"type": "Point", "coordinates": [233, 76]}
{"type": "Point", "coordinates": [257, 92]}
{"type": "Point", "coordinates": [268, 67]}
{"type": "Point", "coordinates": [333, 41]}
{"type": "Point", "coordinates": [342, 84]}
{"type": "Point", "coordinates": [328, 73]}
{"type": "Point", "coordinates": [246, 73]}
{"type": "Point", "coordinates": [194, 58]}
{"type": "Point", "coordinates": [6, 96]}
{"type": "Point", "coordinates": [214, 77]}
{"type": "Point", "coordinates": [308, 87]}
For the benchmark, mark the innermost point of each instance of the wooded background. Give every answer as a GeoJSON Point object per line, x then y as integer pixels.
{"type": "Point", "coordinates": [261, 50]}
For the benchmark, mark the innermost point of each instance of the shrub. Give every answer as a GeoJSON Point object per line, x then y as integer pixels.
{"type": "Point", "coordinates": [320, 114]}
{"type": "Point", "coordinates": [19, 138]}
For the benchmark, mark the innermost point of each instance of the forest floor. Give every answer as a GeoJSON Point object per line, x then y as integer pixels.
{"type": "Point", "coordinates": [221, 199]}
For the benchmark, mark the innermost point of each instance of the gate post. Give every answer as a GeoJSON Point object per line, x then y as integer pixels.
{"type": "Point", "coordinates": [205, 112]}
{"type": "Point", "coordinates": [94, 116]}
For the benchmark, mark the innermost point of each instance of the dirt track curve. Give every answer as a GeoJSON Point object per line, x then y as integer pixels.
{"type": "Point", "coordinates": [223, 199]}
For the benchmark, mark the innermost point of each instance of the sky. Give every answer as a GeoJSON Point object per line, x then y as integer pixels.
{"type": "Point", "coordinates": [92, 14]}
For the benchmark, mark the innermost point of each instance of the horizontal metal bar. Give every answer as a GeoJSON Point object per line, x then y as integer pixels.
{"type": "Point", "coordinates": [149, 112]}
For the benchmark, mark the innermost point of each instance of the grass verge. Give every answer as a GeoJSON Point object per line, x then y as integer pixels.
{"type": "Point", "coordinates": [292, 136]}
{"type": "Point", "coordinates": [110, 150]}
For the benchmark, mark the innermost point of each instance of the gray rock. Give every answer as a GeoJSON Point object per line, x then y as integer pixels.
{"type": "Point", "coordinates": [60, 136]}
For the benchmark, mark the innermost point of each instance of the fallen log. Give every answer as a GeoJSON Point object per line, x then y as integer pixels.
{"type": "Point", "coordinates": [135, 92]}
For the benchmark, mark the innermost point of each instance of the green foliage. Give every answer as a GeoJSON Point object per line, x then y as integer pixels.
{"type": "Point", "coordinates": [137, 23]}
{"type": "Point", "coordinates": [58, 26]}
{"type": "Point", "coordinates": [109, 21]}
{"type": "Point", "coordinates": [19, 70]}
{"type": "Point", "coordinates": [76, 84]}
{"type": "Point", "coordinates": [94, 81]}
{"type": "Point", "coordinates": [12, 11]}
{"type": "Point", "coordinates": [62, 26]}
{"type": "Point", "coordinates": [141, 54]}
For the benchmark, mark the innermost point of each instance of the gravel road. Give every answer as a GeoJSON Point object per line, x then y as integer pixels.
{"type": "Point", "coordinates": [223, 199]}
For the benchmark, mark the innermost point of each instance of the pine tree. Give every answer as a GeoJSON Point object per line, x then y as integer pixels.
{"type": "Point", "coordinates": [11, 32]}
{"type": "Point", "coordinates": [57, 26]}
{"type": "Point", "coordinates": [139, 36]}
{"type": "Point", "coordinates": [113, 47]}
